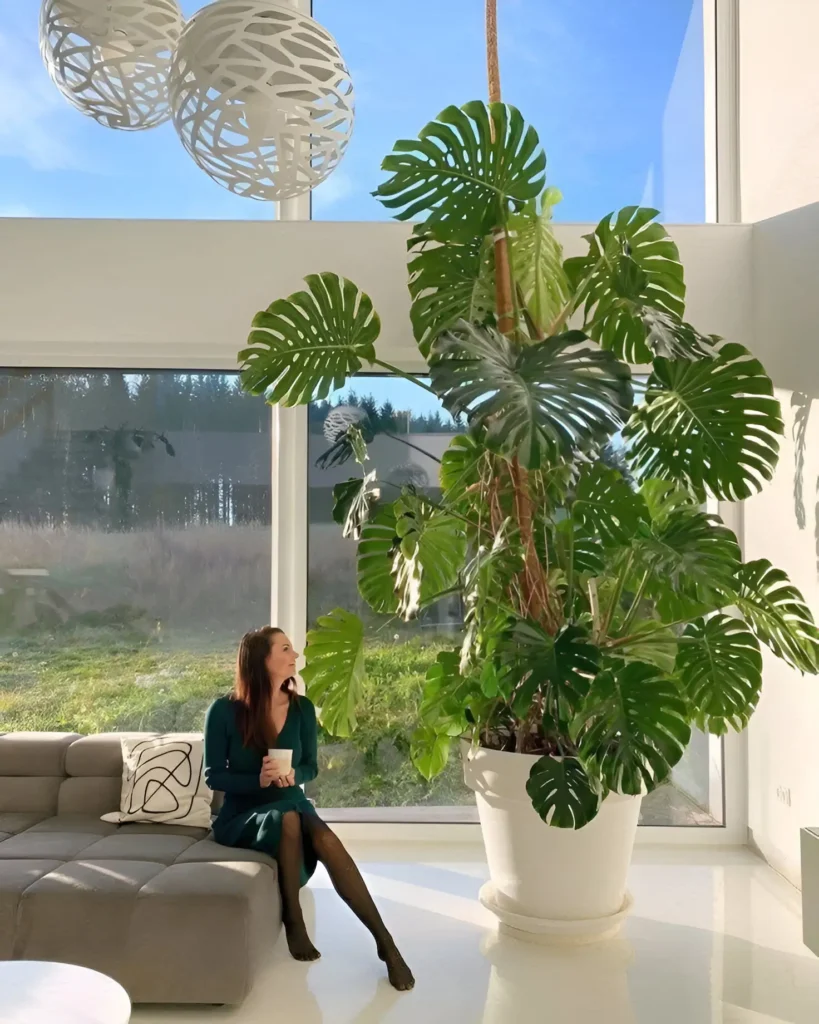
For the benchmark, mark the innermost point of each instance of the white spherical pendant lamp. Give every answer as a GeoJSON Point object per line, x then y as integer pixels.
{"type": "Point", "coordinates": [261, 97]}
{"type": "Point", "coordinates": [111, 58]}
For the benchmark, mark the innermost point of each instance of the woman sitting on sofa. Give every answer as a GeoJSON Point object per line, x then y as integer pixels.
{"type": "Point", "coordinates": [265, 807]}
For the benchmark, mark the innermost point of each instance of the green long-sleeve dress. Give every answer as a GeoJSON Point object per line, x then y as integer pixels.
{"type": "Point", "coordinates": [252, 816]}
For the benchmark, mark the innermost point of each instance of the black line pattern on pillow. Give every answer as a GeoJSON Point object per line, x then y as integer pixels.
{"type": "Point", "coordinates": [165, 780]}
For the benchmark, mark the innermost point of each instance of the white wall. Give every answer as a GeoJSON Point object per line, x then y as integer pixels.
{"type": "Point", "coordinates": [174, 293]}
{"type": "Point", "coordinates": [786, 297]}
{"type": "Point", "coordinates": [783, 733]}
{"type": "Point", "coordinates": [779, 106]}
{"type": "Point", "coordinates": [779, 169]}
{"type": "Point", "coordinates": [182, 293]}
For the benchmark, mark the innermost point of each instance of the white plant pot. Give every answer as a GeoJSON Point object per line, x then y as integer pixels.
{"type": "Point", "coordinates": [547, 884]}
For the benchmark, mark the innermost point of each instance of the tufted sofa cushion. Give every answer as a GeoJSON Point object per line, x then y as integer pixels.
{"type": "Point", "coordinates": [141, 903]}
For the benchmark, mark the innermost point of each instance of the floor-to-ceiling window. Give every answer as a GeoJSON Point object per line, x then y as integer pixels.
{"type": "Point", "coordinates": [616, 91]}
{"type": "Point", "coordinates": [134, 545]}
{"type": "Point", "coordinates": [54, 162]}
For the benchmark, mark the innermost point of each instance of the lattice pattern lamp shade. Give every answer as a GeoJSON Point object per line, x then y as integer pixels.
{"type": "Point", "coordinates": [111, 58]}
{"type": "Point", "coordinates": [261, 98]}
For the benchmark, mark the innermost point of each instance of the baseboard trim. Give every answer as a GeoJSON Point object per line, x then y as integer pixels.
{"type": "Point", "coordinates": [776, 860]}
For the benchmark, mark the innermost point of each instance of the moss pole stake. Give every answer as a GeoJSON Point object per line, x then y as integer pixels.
{"type": "Point", "coordinates": [492, 63]}
{"type": "Point", "coordinates": [503, 280]}
{"type": "Point", "coordinates": [538, 600]}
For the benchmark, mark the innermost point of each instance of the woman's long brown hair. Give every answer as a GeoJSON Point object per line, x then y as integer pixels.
{"type": "Point", "coordinates": [252, 692]}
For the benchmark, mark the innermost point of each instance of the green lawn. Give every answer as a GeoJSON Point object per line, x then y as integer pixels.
{"type": "Point", "coordinates": [109, 680]}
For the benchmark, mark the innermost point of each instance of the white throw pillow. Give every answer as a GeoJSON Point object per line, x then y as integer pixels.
{"type": "Point", "coordinates": [163, 781]}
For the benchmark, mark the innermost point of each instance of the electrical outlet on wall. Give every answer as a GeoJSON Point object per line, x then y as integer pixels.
{"type": "Point", "coordinates": [783, 795]}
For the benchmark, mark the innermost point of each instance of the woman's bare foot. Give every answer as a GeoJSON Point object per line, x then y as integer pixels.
{"type": "Point", "coordinates": [299, 944]}
{"type": "Point", "coordinates": [397, 971]}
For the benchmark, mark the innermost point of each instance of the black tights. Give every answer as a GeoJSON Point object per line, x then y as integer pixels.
{"type": "Point", "coordinates": [347, 882]}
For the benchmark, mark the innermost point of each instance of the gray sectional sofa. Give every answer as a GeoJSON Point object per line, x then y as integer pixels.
{"type": "Point", "coordinates": [164, 910]}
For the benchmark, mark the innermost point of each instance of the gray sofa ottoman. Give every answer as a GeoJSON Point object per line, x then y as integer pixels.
{"type": "Point", "coordinates": [165, 911]}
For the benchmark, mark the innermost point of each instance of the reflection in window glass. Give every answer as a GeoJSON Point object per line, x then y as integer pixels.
{"type": "Point", "coordinates": [134, 546]}
{"type": "Point", "coordinates": [615, 91]}
{"type": "Point", "coordinates": [54, 162]}
{"type": "Point", "coordinates": [372, 770]}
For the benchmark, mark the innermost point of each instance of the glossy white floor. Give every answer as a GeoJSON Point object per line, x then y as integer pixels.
{"type": "Point", "coordinates": [715, 938]}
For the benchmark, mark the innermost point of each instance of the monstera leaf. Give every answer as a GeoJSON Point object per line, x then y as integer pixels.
{"type": "Point", "coordinates": [429, 751]}
{"type": "Point", "coordinates": [636, 727]}
{"type": "Point", "coordinates": [536, 401]}
{"type": "Point", "coordinates": [488, 612]}
{"type": "Point", "coordinates": [662, 497]}
{"type": "Point", "coordinates": [450, 706]}
{"type": "Point", "coordinates": [711, 424]}
{"type": "Point", "coordinates": [562, 793]}
{"type": "Point", "coordinates": [650, 643]}
{"type": "Point", "coordinates": [575, 550]}
{"type": "Point", "coordinates": [442, 707]}
{"type": "Point", "coordinates": [559, 667]}
{"type": "Point", "coordinates": [461, 467]}
{"type": "Point", "coordinates": [668, 336]}
{"type": "Point", "coordinates": [465, 170]}
{"type": "Point", "coordinates": [429, 555]}
{"type": "Point", "coordinates": [352, 502]}
{"type": "Point", "coordinates": [606, 506]}
{"type": "Point", "coordinates": [334, 672]}
{"type": "Point", "coordinates": [776, 611]}
{"type": "Point", "coordinates": [694, 559]}
{"type": "Point", "coordinates": [537, 258]}
{"type": "Point", "coordinates": [449, 281]}
{"type": "Point", "coordinates": [720, 666]}
{"type": "Point", "coordinates": [484, 585]}
{"type": "Point", "coordinates": [303, 347]}
{"type": "Point", "coordinates": [632, 273]}
{"type": "Point", "coordinates": [376, 551]}
{"type": "Point", "coordinates": [409, 554]}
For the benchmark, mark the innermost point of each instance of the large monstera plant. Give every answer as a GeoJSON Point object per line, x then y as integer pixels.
{"type": "Point", "coordinates": [606, 612]}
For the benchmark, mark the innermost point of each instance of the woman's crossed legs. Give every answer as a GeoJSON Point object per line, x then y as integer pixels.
{"type": "Point", "coordinates": [347, 882]}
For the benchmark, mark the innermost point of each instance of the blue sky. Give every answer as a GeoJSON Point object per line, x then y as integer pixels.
{"type": "Point", "coordinates": [403, 394]}
{"type": "Point", "coordinates": [594, 77]}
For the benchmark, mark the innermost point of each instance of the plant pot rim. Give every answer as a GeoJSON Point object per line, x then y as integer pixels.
{"type": "Point", "coordinates": [470, 766]}
{"type": "Point", "coordinates": [467, 747]}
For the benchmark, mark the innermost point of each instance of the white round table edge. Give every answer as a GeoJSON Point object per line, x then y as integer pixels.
{"type": "Point", "coordinates": [31, 991]}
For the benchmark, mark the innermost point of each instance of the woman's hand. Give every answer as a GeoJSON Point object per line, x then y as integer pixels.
{"type": "Point", "coordinates": [283, 781]}
{"type": "Point", "coordinates": [269, 773]}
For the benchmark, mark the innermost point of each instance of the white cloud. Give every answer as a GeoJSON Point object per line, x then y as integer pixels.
{"type": "Point", "coordinates": [32, 112]}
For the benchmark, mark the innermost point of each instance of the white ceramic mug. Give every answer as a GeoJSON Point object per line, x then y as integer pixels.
{"type": "Point", "coordinates": [283, 757]}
